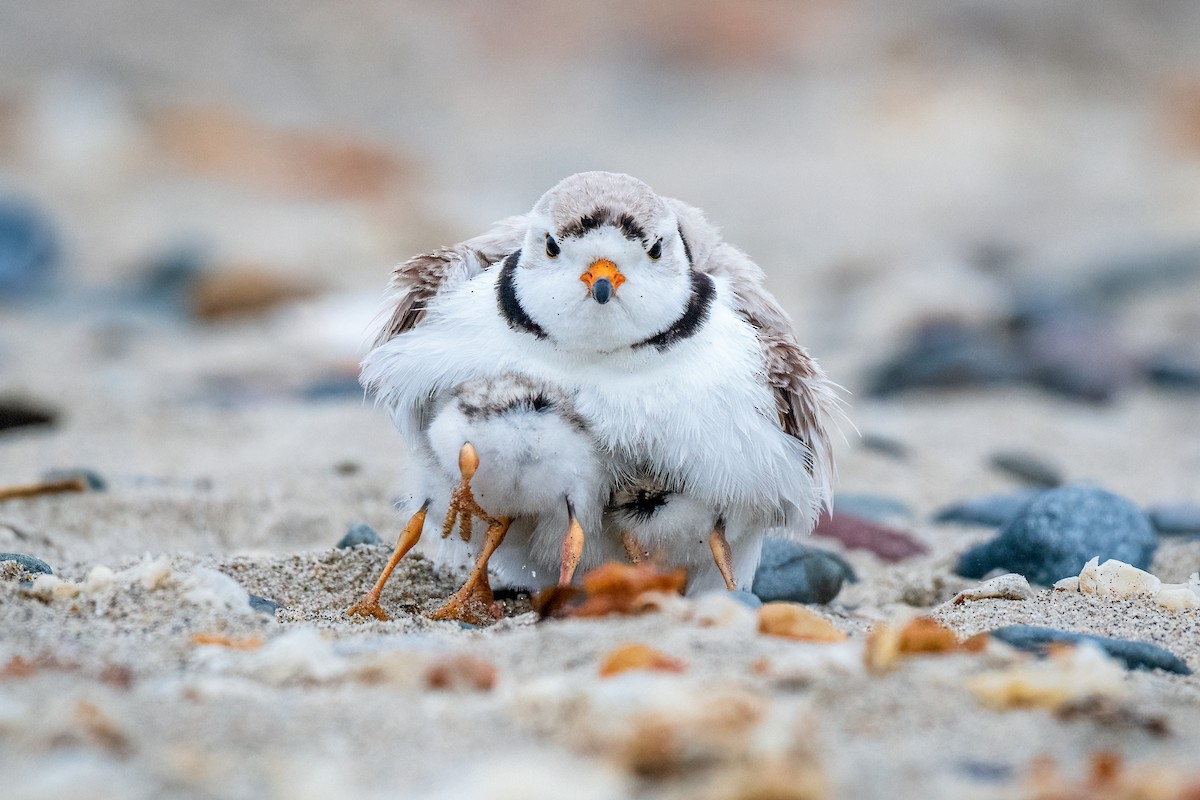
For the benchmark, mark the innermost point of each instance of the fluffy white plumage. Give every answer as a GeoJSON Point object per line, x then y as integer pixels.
{"type": "Point", "coordinates": [689, 376]}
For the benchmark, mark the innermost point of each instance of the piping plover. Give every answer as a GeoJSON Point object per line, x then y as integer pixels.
{"type": "Point", "coordinates": [665, 339]}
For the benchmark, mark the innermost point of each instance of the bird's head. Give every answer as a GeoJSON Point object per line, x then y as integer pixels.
{"type": "Point", "coordinates": [603, 265]}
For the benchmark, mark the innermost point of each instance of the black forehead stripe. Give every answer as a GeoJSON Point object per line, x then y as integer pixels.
{"type": "Point", "coordinates": [510, 306]}
{"type": "Point", "coordinates": [599, 217]}
{"type": "Point", "coordinates": [694, 316]}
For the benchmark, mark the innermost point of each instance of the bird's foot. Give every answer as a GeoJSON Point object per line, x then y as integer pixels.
{"type": "Point", "coordinates": [722, 555]}
{"type": "Point", "coordinates": [474, 603]}
{"type": "Point", "coordinates": [369, 606]}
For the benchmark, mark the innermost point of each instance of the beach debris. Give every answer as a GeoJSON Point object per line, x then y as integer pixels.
{"type": "Point", "coordinates": [1174, 519]}
{"type": "Point", "coordinates": [225, 145]}
{"type": "Point", "coordinates": [794, 621]}
{"type": "Point", "coordinates": [637, 656]}
{"type": "Point", "coordinates": [94, 480]}
{"type": "Point", "coordinates": [884, 445]}
{"type": "Point", "coordinates": [238, 291]}
{"type": "Point", "coordinates": [1059, 530]}
{"type": "Point", "coordinates": [1027, 468]}
{"type": "Point", "coordinates": [1133, 655]}
{"type": "Point", "coordinates": [1116, 580]}
{"type": "Point", "coordinates": [889, 642]}
{"type": "Point", "coordinates": [30, 565]}
{"type": "Point", "coordinates": [947, 354]}
{"type": "Point", "coordinates": [1068, 676]}
{"type": "Point", "coordinates": [1108, 778]}
{"type": "Point", "coordinates": [1002, 587]}
{"type": "Point", "coordinates": [19, 412]}
{"type": "Point", "coordinates": [43, 488]}
{"type": "Point", "coordinates": [876, 507]}
{"type": "Point", "coordinates": [359, 534]}
{"type": "Point", "coordinates": [991, 511]}
{"type": "Point", "coordinates": [800, 574]}
{"type": "Point", "coordinates": [461, 672]}
{"type": "Point", "coordinates": [856, 533]}
{"type": "Point", "coordinates": [29, 248]}
{"type": "Point", "coordinates": [264, 606]}
{"type": "Point", "coordinates": [612, 588]}
{"type": "Point", "coordinates": [225, 640]}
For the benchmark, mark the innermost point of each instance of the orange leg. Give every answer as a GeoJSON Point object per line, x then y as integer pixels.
{"type": "Point", "coordinates": [463, 506]}
{"type": "Point", "coordinates": [473, 602]}
{"type": "Point", "coordinates": [722, 554]}
{"type": "Point", "coordinates": [368, 606]}
{"type": "Point", "coordinates": [572, 547]}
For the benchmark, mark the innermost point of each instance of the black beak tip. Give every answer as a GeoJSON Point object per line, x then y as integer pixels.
{"type": "Point", "coordinates": [602, 290]}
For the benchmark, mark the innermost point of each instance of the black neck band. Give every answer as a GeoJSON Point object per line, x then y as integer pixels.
{"type": "Point", "coordinates": [694, 316]}
{"type": "Point", "coordinates": [510, 305]}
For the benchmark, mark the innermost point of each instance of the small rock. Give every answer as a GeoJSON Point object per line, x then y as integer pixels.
{"type": "Point", "coordinates": [1027, 468]}
{"type": "Point", "coordinates": [1135, 655]}
{"type": "Point", "coordinates": [1059, 531]}
{"type": "Point", "coordinates": [17, 412]}
{"type": "Point", "coordinates": [1175, 519]}
{"type": "Point", "coordinates": [948, 354]}
{"type": "Point", "coordinates": [884, 445]}
{"type": "Point", "coordinates": [992, 511]}
{"type": "Point", "coordinates": [263, 606]}
{"type": "Point", "coordinates": [1175, 371]}
{"type": "Point", "coordinates": [242, 291]}
{"type": "Point", "coordinates": [1003, 587]}
{"type": "Point", "coordinates": [872, 506]}
{"type": "Point", "coordinates": [857, 533]}
{"type": "Point", "coordinates": [791, 571]}
{"type": "Point", "coordinates": [32, 565]}
{"type": "Point", "coordinates": [748, 599]}
{"type": "Point", "coordinates": [95, 481]}
{"type": "Point", "coordinates": [333, 387]}
{"type": "Point", "coordinates": [28, 248]}
{"type": "Point", "coordinates": [359, 534]}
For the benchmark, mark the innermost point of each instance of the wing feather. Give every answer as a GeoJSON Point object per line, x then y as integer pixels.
{"type": "Point", "coordinates": [416, 283]}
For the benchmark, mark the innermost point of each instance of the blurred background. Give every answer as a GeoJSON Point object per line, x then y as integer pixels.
{"type": "Point", "coordinates": [983, 216]}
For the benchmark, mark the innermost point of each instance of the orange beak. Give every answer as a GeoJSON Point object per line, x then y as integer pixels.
{"type": "Point", "coordinates": [602, 279]}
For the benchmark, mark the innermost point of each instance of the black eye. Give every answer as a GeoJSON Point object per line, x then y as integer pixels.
{"type": "Point", "coordinates": [655, 251]}
{"type": "Point", "coordinates": [552, 249]}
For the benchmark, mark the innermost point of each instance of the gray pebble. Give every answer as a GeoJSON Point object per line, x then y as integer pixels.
{"type": "Point", "coordinates": [793, 572]}
{"type": "Point", "coordinates": [1056, 534]}
{"type": "Point", "coordinates": [1174, 519]}
{"type": "Point", "coordinates": [359, 534]}
{"type": "Point", "coordinates": [991, 511]}
{"type": "Point", "coordinates": [32, 565]}
{"type": "Point", "coordinates": [1135, 655]}
{"type": "Point", "coordinates": [95, 481]}
{"type": "Point", "coordinates": [263, 605]}
{"type": "Point", "coordinates": [29, 247]}
{"type": "Point", "coordinates": [1027, 468]}
{"type": "Point", "coordinates": [748, 599]}
{"type": "Point", "coordinates": [871, 506]}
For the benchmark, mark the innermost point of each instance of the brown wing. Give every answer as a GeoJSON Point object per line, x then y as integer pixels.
{"type": "Point", "coordinates": [805, 399]}
{"type": "Point", "coordinates": [416, 282]}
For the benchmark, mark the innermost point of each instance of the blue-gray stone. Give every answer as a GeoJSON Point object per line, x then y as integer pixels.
{"type": "Point", "coordinates": [991, 511]}
{"type": "Point", "coordinates": [1135, 655]}
{"type": "Point", "coordinates": [871, 506]}
{"type": "Point", "coordinates": [95, 481]}
{"type": "Point", "coordinates": [30, 564]}
{"type": "Point", "coordinates": [1056, 534]}
{"type": "Point", "coordinates": [359, 534]}
{"type": "Point", "coordinates": [1175, 519]}
{"type": "Point", "coordinates": [790, 571]}
{"type": "Point", "coordinates": [28, 248]}
{"type": "Point", "coordinates": [263, 605]}
{"type": "Point", "coordinates": [1027, 468]}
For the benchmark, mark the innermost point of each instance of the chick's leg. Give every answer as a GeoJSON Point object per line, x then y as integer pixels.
{"type": "Point", "coordinates": [572, 547]}
{"type": "Point", "coordinates": [722, 554]}
{"type": "Point", "coordinates": [369, 606]}
{"type": "Point", "coordinates": [473, 603]}
{"type": "Point", "coordinates": [463, 506]}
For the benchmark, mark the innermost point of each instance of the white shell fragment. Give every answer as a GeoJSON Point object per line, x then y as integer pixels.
{"type": "Point", "coordinates": [1116, 580]}
{"type": "Point", "coordinates": [1002, 587]}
